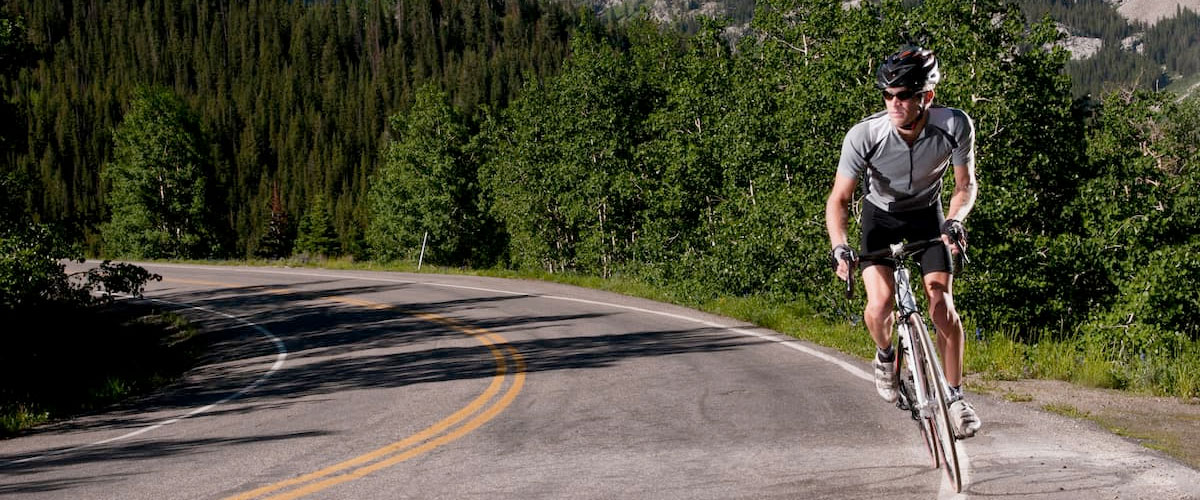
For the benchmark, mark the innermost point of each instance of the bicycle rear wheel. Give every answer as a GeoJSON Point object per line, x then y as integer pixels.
{"type": "Point", "coordinates": [940, 420]}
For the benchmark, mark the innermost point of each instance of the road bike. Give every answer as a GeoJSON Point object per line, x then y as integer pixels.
{"type": "Point", "coordinates": [924, 392]}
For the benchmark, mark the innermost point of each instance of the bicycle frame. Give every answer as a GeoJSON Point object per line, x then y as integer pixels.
{"type": "Point", "coordinates": [911, 328]}
{"type": "Point", "coordinates": [927, 396]}
{"type": "Point", "coordinates": [909, 319]}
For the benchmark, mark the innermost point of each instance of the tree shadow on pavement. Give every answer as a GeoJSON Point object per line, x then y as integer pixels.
{"type": "Point", "coordinates": [334, 346]}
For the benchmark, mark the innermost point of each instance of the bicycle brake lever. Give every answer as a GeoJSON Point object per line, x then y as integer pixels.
{"type": "Point", "coordinates": [849, 281]}
{"type": "Point", "coordinates": [962, 253]}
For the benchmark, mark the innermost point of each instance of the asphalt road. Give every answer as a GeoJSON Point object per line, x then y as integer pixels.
{"type": "Point", "coordinates": [371, 385]}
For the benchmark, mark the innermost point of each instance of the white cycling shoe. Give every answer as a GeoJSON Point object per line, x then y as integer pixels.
{"type": "Point", "coordinates": [885, 380]}
{"type": "Point", "coordinates": [966, 423]}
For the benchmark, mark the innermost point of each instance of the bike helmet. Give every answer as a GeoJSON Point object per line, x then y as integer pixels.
{"type": "Point", "coordinates": [911, 67]}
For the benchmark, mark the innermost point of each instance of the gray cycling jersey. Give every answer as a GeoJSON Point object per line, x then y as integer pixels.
{"type": "Point", "coordinates": [900, 177]}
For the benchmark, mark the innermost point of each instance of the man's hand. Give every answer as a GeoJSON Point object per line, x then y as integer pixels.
{"type": "Point", "coordinates": [952, 231]}
{"type": "Point", "coordinates": [842, 256]}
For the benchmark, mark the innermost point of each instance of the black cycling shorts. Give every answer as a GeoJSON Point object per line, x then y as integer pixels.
{"type": "Point", "coordinates": [881, 228]}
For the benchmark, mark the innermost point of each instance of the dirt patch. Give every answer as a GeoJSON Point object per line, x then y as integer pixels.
{"type": "Point", "coordinates": [1171, 425]}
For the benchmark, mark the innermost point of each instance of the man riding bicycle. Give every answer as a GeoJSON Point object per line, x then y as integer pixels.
{"type": "Point", "coordinates": [903, 152]}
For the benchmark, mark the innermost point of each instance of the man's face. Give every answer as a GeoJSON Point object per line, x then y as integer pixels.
{"type": "Point", "coordinates": [904, 105]}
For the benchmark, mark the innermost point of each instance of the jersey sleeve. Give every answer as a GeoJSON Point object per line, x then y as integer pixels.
{"type": "Point", "coordinates": [854, 152]}
{"type": "Point", "coordinates": [964, 154]}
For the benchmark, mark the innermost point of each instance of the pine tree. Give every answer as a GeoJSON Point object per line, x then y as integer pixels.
{"type": "Point", "coordinates": [316, 236]}
{"type": "Point", "coordinates": [276, 243]}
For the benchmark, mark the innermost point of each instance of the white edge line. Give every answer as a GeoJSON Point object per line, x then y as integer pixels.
{"type": "Point", "coordinates": [280, 356]}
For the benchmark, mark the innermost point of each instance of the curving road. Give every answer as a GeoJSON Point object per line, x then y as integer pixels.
{"type": "Point", "coordinates": [371, 385]}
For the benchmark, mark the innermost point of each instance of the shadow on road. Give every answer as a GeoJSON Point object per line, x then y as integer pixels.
{"type": "Point", "coordinates": [334, 346]}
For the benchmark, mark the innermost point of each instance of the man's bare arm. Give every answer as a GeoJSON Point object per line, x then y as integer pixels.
{"type": "Point", "coordinates": [965, 190]}
{"type": "Point", "coordinates": [837, 209]}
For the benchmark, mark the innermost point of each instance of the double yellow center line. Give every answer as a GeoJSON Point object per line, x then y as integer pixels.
{"type": "Point", "coordinates": [510, 372]}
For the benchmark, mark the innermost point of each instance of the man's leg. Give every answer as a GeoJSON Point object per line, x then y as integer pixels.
{"type": "Point", "coordinates": [878, 316]}
{"type": "Point", "coordinates": [948, 323]}
{"type": "Point", "coordinates": [950, 347]}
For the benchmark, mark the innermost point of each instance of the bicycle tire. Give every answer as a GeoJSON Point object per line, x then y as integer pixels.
{"type": "Point", "coordinates": [948, 439]}
{"type": "Point", "coordinates": [940, 420]}
{"type": "Point", "coordinates": [924, 426]}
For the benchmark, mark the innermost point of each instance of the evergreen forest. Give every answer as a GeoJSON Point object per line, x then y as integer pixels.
{"type": "Point", "coordinates": [288, 96]}
{"type": "Point", "coordinates": [527, 135]}
{"type": "Point", "coordinates": [1132, 54]}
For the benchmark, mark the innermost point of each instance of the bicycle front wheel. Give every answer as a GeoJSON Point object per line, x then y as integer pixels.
{"type": "Point", "coordinates": [912, 393]}
{"type": "Point", "coordinates": [940, 419]}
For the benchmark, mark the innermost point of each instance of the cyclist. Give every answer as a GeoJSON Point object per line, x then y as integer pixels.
{"type": "Point", "coordinates": [903, 153]}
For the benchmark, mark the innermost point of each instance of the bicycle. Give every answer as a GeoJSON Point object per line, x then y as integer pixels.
{"type": "Point", "coordinates": [924, 392]}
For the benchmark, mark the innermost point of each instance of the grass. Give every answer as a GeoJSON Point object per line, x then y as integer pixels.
{"type": "Point", "coordinates": [1088, 363]}
{"type": "Point", "coordinates": [1018, 397]}
{"type": "Point", "coordinates": [1065, 410]}
{"type": "Point", "coordinates": [16, 416]}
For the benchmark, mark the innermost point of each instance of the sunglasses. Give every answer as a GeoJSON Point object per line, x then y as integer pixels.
{"type": "Point", "coordinates": [903, 95]}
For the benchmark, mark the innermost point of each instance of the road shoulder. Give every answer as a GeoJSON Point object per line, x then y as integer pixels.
{"type": "Point", "coordinates": [1170, 425]}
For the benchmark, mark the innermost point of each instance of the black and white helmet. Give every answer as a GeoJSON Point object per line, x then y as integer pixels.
{"type": "Point", "coordinates": [910, 67]}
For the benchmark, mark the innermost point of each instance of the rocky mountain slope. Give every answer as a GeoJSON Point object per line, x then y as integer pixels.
{"type": "Point", "coordinates": [1151, 11]}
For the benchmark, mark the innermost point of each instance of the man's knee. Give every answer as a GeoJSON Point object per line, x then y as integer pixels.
{"type": "Point", "coordinates": [941, 308]}
{"type": "Point", "coordinates": [945, 318]}
{"type": "Point", "coordinates": [878, 310]}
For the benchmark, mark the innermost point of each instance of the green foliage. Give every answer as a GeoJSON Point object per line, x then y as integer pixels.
{"type": "Point", "coordinates": [1140, 209]}
{"type": "Point", "coordinates": [316, 236]}
{"type": "Point", "coordinates": [33, 278]}
{"type": "Point", "coordinates": [1113, 69]}
{"type": "Point", "coordinates": [157, 181]}
{"type": "Point", "coordinates": [1133, 54]}
{"type": "Point", "coordinates": [13, 54]}
{"type": "Point", "coordinates": [426, 184]}
{"type": "Point", "coordinates": [30, 272]}
{"type": "Point", "coordinates": [684, 162]}
{"type": "Point", "coordinates": [1091, 18]}
{"type": "Point", "coordinates": [117, 278]}
{"type": "Point", "coordinates": [1029, 157]}
{"type": "Point", "coordinates": [10, 36]}
{"type": "Point", "coordinates": [564, 181]}
{"type": "Point", "coordinates": [714, 165]}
